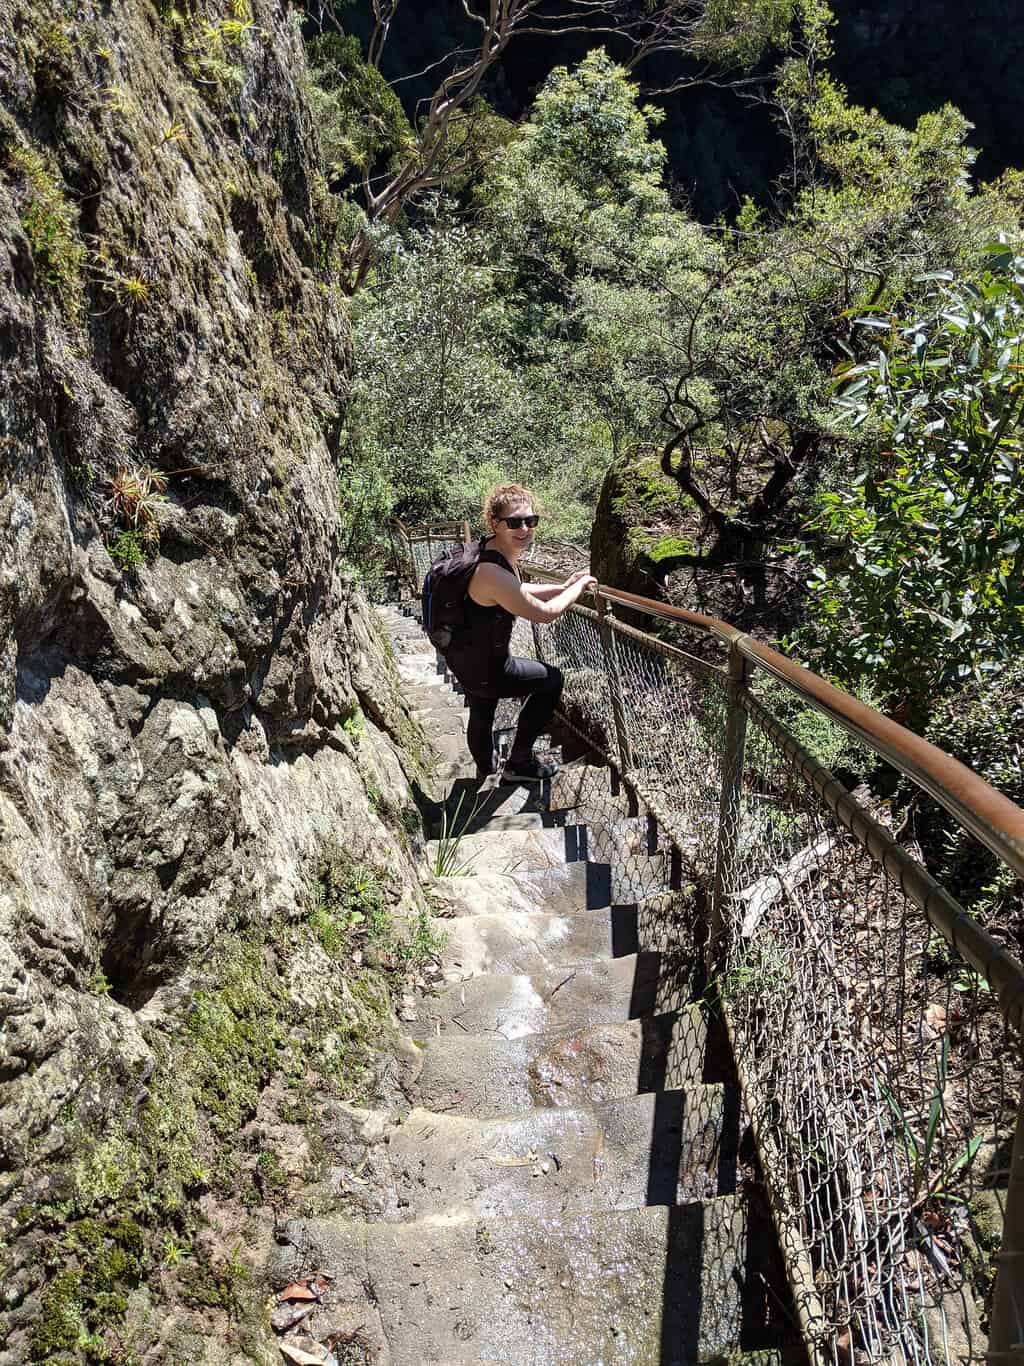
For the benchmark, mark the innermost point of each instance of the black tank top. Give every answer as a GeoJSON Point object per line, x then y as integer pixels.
{"type": "Point", "coordinates": [478, 652]}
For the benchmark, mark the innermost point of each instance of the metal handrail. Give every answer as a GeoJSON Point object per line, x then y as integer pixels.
{"type": "Point", "coordinates": [988, 815]}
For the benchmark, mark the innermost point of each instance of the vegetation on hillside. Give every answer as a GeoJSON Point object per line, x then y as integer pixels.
{"type": "Point", "coordinates": [830, 380]}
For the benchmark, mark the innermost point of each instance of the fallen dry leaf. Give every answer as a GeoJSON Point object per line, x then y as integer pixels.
{"type": "Point", "coordinates": [298, 1290]}
{"type": "Point", "coordinates": [505, 1161]}
{"type": "Point", "coordinates": [935, 1018]}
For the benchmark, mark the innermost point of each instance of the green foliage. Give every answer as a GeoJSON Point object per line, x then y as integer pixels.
{"type": "Point", "coordinates": [982, 725]}
{"type": "Point", "coordinates": [51, 226]}
{"type": "Point", "coordinates": [587, 130]}
{"type": "Point", "coordinates": [741, 32]}
{"type": "Point", "coordinates": [206, 47]}
{"type": "Point", "coordinates": [358, 116]}
{"type": "Point", "coordinates": [365, 501]}
{"type": "Point", "coordinates": [830, 744]}
{"type": "Point", "coordinates": [932, 1168]}
{"type": "Point", "coordinates": [351, 913]}
{"type": "Point", "coordinates": [127, 550]}
{"type": "Point", "coordinates": [926, 548]}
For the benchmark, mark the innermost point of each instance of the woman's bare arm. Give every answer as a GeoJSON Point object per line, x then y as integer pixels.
{"type": "Point", "coordinates": [492, 586]}
{"type": "Point", "coordinates": [542, 592]}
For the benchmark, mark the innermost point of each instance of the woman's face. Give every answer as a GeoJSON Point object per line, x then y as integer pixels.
{"type": "Point", "coordinates": [517, 539]}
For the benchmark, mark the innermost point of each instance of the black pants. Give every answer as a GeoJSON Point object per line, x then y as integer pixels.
{"type": "Point", "coordinates": [540, 684]}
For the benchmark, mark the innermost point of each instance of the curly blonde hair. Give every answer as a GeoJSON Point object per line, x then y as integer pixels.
{"type": "Point", "coordinates": [497, 502]}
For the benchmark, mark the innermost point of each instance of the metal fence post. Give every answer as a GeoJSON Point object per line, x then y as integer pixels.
{"type": "Point", "coordinates": [729, 806]}
{"type": "Point", "coordinates": [611, 656]}
{"type": "Point", "coordinates": [1006, 1331]}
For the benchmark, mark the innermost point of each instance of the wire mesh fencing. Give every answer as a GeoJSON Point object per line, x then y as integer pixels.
{"type": "Point", "coordinates": [880, 1076]}
{"type": "Point", "coordinates": [866, 1011]}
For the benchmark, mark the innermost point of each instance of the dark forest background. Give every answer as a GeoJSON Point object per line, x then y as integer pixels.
{"type": "Point", "coordinates": [902, 57]}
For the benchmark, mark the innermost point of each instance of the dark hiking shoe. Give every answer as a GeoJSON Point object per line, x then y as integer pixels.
{"type": "Point", "coordinates": [532, 770]}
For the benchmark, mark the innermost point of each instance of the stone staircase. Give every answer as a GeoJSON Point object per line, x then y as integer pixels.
{"type": "Point", "coordinates": [570, 1185]}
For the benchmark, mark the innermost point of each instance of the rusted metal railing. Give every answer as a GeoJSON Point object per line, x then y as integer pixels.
{"type": "Point", "coordinates": [875, 1023]}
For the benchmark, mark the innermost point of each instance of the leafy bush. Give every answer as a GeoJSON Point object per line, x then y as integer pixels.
{"type": "Point", "coordinates": [927, 544]}
{"type": "Point", "coordinates": [982, 725]}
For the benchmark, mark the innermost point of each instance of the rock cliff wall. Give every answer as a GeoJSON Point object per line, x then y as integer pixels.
{"type": "Point", "coordinates": [194, 704]}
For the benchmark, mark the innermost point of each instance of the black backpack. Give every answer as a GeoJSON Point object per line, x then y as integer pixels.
{"type": "Point", "coordinates": [444, 590]}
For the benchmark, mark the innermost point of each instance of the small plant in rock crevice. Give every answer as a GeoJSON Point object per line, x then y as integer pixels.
{"type": "Point", "coordinates": [127, 550]}
{"type": "Point", "coordinates": [136, 495]}
{"type": "Point", "coordinates": [50, 224]}
{"type": "Point", "coordinates": [351, 917]}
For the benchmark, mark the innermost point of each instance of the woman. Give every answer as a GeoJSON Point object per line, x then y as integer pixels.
{"type": "Point", "coordinates": [479, 655]}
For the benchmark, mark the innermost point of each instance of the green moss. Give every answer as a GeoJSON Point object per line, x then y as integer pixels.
{"type": "Point", "coordinates": [60, 1325]}
{"type": "Point", "coordinates": [643, 492]}
{"type": "Point", "coordinates": [96, 1262]}
{"type": "Point", "coordinates": [130, 1193]}
{"type": "Point", "coordinates": [671, 547]}
{"type": "Point", "coordinates": [101, 1175]}
{"type": "Point", "coordinates": [234, 1034]}
{"type": "Point", "coordinates": [51, 226]}
{"type": "Point", "coordinates": [55, 55]}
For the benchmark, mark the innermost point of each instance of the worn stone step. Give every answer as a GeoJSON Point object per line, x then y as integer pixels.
{"type": "Point", "coordinates": [633, 877]}
{"type": "Point", "coordinates": [441, 721]}
{"type": "Point", "coordinates": [561, 890]}
{"type": "Point", "coordinates": [512, 942]}
{"type": "Point", "coordinates": [512, 851]}
{"type": "Point", "coordinates": [514, 1004]}
{"type": "Point", "coordinates": [469, 806]}
{"type": "Point", "coordinates": [634, 1287]}
{"type": "Point", "coordinates": [486, 1075]}
{"type": "Point", "coordinates": [429, 702]}
{"type": "Point", "coordinates": [661, 1148]}
{"type": "Point", "coordinates": [588, 787]}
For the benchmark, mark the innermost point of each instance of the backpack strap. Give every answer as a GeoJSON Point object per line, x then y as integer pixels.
{"type": "Point", "coordinates": [493, 556]}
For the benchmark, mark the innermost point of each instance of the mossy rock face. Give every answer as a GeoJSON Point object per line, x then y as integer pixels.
{"type": "Point", "coordinates": [173, 752]}
{"type": "Point", "coordinates": [641, 527]}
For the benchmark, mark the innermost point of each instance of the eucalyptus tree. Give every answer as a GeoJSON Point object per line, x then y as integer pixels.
{"type": "Point", "coordinates": [448, 138]}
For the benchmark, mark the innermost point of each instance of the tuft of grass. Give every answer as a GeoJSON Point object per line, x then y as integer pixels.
{"type": "Point", "coordinates": [50, 224]}
{"type": "Point", "coordinates": [137, 494]}
{"type": "Point", "coordinates": [132, 290]}
{"type": "Point", "coordinates": [447, 860]}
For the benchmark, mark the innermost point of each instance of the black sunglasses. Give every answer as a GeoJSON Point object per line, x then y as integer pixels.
{"type": "Point", "coordinates": [514, 523]}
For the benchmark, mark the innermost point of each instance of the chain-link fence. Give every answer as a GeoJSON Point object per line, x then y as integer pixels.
{"type": "Point", "coordinates": [415, 549]}
{"type": "Point", "coordinates": [875, 1026]}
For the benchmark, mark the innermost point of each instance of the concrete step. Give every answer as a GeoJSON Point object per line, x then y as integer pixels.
{"type": "Point", "coordinates": [653, 1149]}
{"type": "Point", "coordinates": [510, 942]}
{"type": "Point", "coordinates": [514, 851]}
{"type": "Point", "coordinates": [472, 807]}
{"type": "Point", "coordinates": [634, 1287]}
{"type": "Point", "coordinates": [632, 878]}
{"type": "Point", "coordinates": [512, 1005]}
{"type": "Point", "coordinates": [441, 721]}
{"type": "Point", "coordinates": [485, 1075]}
{"type": "Point", "coordinates": [587, 787]}
{"type": "Point", "coordinates": [562, 890]}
